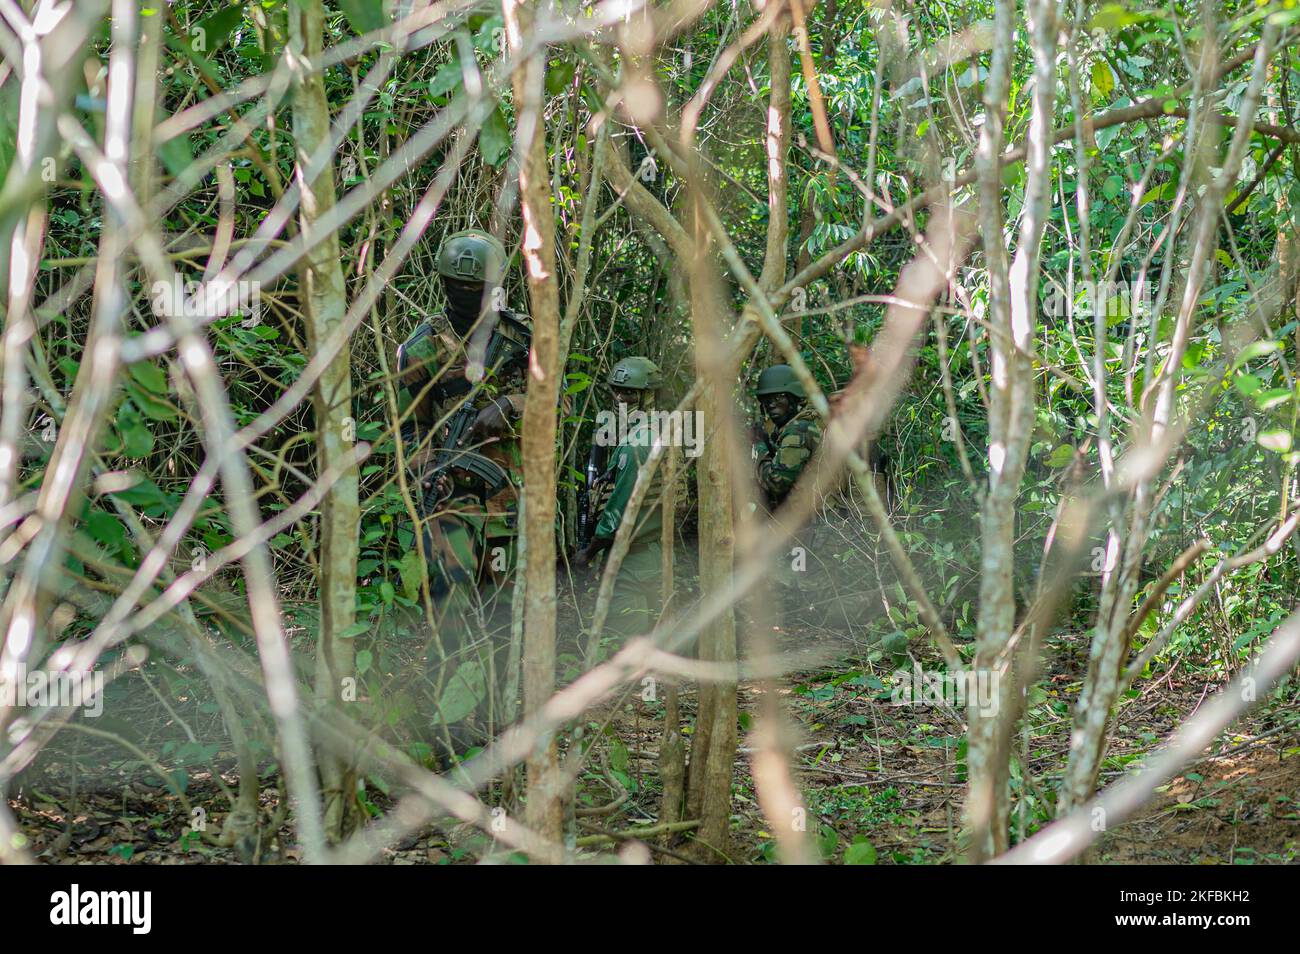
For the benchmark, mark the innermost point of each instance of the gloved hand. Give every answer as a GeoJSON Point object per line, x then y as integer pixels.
{"type": "Point", "coordinates": [594, 549]}
{"type": "Point", "coordinates": [445, 485]}
{"type": "Point", "coordinates": [494, 419]}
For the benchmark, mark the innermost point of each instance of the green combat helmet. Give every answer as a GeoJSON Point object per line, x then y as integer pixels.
{"type": "Point", "coordinates": [780, 379]}
{"type": "Point", "coordinates": [472, 256]}
{"type": "Point", "coordinates": [636, 374]}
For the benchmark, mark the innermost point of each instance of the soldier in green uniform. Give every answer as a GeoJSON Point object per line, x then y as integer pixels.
{"type": "Point", "coordinates": [814, 591]}
{"type": "Point", "coordinates": [635, 601]}
{"type": "Point", "coordinates": [473, 356]}
{"type": "Point", "coordinates": [781, 455]}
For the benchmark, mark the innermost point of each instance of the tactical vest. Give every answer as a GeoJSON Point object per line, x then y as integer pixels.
{"type": "Point", "coordinates": [649, 520]}
{"type": "Point", "coordinates": [448, 359]}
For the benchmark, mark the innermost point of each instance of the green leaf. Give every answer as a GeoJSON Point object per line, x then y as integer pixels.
{"type": "Point", "coordinates": [176, 154]}
{"type": "Point", "coordinates": [141, 494]}
{"type": "Point", "coordinates": [410, 571]}
{"type": "Point", "coordinates": [1111, 17]}
{"type": "Point", "coordinates": [494, 138]}
{"type": "Point", "coordinates": [154, 408]}
{"type": "Point", "coordinates": [1061, 457]}
{"type": "Point", "coordinates": [1112, 187]}
{"type": "Point", "coordinates": [1247, 384]}
{"type": "Point", "coordinates": [8, 123]}
{"type": "Point", "coordinates": [364, 660]}
{"type": "Point", "coordinates": [137, 439]}
{"type": "Point", "coordinates": [1275, 439]}
{"type": "Point", "coordinates": [150, 376]}
{"type": "Point", "coordinates": [355, 630]}
{"type": "Point", "coordinates": [212, 31]}
{"type": "Point", "coordinates": [618, 756]}
{"type": "Point", "coordinates": [861, 852]}
{"type": "Point", "coordinates": [895, 643]}
{"type": "Point", "coordinates": [1274, 397]}
{"type": "Point", "coordinates": [559, 74]}
{"type": "Point", "coordinates": [490, 36]}
{"type": "Point", "coordinates": [1165, 191]}
{"type": "Point", "coordinates": [1103, 80]}
{"type": "Point", "coordinates": [463, 692]}
{"type": "Point", "coordinates": [106, 530]}
{"type": "Point", "coordinates": [577, 381]}
{"type": "Point", "coordinates": [448, 78]}
{"type": "Point", "coordinates": [1254, 350]}
{"type": "Point", "coordinates": [827, 841]}
{"type": "Point", "coordinates": [364, 15]}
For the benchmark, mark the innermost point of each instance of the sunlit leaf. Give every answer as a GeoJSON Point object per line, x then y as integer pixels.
{"type": "Point", "coordinates": [1275, 439]}
{"type": "Point", "coordinates": [1103, 80]}
{"type": "Point", "coordinates": [1112, 16]}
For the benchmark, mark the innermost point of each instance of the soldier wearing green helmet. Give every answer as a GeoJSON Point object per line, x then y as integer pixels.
{"type": "Point", "coordinates": [634, 377]}
{"type": "Point", "coordinates": [474, 355]}
{"type": "Point", "coordinates": [633, 382]}
{"type": "Point", "coordinates": [781, 454]}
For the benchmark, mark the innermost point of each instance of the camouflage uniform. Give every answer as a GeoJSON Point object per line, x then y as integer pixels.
{"type": "Point", "coordinates": [782, 457]}
{"type": "Point", "coordinates": [635, 599]}
{"type": "Point", "coordinates": [466, 529]}
{"type": "Point", "coordinates": [470, 542]}
{"type": "Point", "coordinates": [779, 460]}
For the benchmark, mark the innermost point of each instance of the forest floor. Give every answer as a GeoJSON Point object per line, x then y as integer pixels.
{"type": "Point", "coordinates": [881, 782]}
{"type": "Point", "coordinates": [892, 776]}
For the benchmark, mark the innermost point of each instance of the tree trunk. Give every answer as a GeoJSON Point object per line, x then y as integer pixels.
{"type": "Point", "coordinates": [1013, 313]}
{"type": "Point", "coordinates": [713, 747]}
{"type": "Point", "coordinates": [324, 302]}
{"type": "Point", "coordinates": [1109, 645]}
{"type": "Point", "coordinates": [672, 752]}
{"type": "Point", "coordinates": [544, 812]}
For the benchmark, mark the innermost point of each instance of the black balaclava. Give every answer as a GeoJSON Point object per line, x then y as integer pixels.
{"type": "Point", "coordinates": [636, 400]}
{"type": "Point", "coordinates": [464, 304]}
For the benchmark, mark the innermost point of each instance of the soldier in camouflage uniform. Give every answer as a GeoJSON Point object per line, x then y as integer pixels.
{"type": "Point", "coordinates": [635, 599]}
{"type": "Point", "coordinates": [815, 588]}
{"type": "Point", "coordinates": [469, 540]}
{"type": "Point", "coordinates": [781, 455]}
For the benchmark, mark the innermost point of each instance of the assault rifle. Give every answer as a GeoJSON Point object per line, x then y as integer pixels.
{"type": "Point", "coordinates": [595, 472]}
{"type": "Point", "coordinates": [453, 458]}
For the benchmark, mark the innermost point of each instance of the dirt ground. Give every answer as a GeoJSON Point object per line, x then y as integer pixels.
{"type": "Point", "coordinates": [882, 783]}
{"type": "Point", "coordinates": [892, 776]}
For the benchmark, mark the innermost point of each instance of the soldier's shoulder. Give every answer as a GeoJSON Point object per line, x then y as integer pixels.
{"type": "Point", "coordinates": [443, 332]}
{"type": "Point", "coordinates": [805, 426]}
